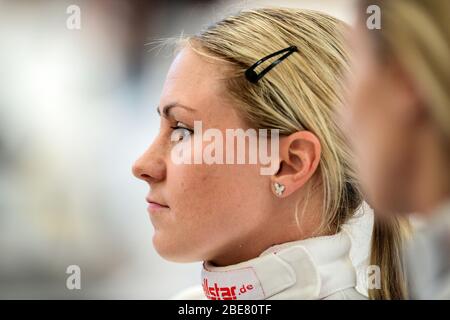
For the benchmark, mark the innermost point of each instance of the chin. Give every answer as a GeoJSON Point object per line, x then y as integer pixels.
{"type": "Point", "coordinates": [171, 251]}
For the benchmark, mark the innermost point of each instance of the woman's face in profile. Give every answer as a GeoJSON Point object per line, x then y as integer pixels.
{"type": "Point", "coordinates": [212, 210]}
{"type": "Point", "coordinates": [380, 124]}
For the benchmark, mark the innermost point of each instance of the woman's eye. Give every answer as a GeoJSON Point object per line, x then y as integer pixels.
{"type": "Point", "coordinates": [180, 132]}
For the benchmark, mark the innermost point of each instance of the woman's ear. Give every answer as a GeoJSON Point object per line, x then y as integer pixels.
{"type": "Point", "coordinates": [299, 158]}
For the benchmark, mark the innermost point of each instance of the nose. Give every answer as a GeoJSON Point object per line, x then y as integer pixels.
{"type": "Point", "coordinates": [150, 166]}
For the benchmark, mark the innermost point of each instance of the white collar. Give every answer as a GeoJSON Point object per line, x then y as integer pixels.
{"type": "Point", "coordinates": [307, 269]}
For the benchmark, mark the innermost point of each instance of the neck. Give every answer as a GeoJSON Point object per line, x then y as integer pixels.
{"type": "Point", "coordinates": [253, 245]}
{"type": "Point", "coordinates": [282, 227]}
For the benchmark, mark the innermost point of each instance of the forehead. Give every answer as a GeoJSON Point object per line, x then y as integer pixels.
{"type": "Point", "coordinates": [193, 77]}
{"type": "Point", "coordinates": [199, 82]}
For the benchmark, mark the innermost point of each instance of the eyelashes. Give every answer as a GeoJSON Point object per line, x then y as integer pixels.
{"type": "Point", "coordinates": [180, 132]}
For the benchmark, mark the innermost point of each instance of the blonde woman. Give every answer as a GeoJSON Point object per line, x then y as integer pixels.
{"type": "Point", "coordinates": [276, 236]}
{"type": "Point", "coordinates": [400, 122]}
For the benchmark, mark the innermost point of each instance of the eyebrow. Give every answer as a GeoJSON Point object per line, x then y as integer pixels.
{"type": "Point", "coordinates": [166, 109]}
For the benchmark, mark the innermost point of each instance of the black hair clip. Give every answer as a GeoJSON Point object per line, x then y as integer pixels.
{"type": "Point", "coordinates": [253, 77]}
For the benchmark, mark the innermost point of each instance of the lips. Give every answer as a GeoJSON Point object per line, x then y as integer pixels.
{"type": "Point", "coordinates": [155, 205]}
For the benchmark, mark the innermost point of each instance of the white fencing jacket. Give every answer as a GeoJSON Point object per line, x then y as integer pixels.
{"type": "Point", "coordinates": [428, 257]}
{"type": "Point", "coordinates": [315, 268]}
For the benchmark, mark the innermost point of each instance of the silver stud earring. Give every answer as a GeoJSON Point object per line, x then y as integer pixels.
{"type": "Point", "coordinates": [279, 188]}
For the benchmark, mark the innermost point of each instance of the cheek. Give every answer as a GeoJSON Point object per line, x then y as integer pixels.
{"type": "Point", "coordinates": [365, 102]}
{"type": "Point", "coordinates": [377, 136]}
{"type": "Point", "coordinates": [364, 120]}
{"type": "Point", "coordinates": [210, 207]}
{"type": "Point", "coordinates": [213, 193]}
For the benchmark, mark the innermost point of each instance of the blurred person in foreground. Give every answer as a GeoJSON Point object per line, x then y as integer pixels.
{"type": "Point", "coordinates": [400, 125]}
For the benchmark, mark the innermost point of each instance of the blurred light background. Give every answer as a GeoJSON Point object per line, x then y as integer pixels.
{"type": "Point", "coordinates": [77, 107]}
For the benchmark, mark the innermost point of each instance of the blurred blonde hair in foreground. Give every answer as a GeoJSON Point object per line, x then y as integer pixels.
{"type": "Point", "coordinates": [417, 33]}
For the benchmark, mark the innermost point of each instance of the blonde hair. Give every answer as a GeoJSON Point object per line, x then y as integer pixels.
{"type": "Point", "coordinates": [417, 33]}
{"type": "Point", "coordinates": [301, 93]}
